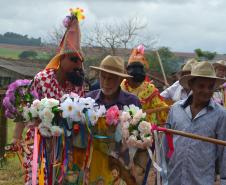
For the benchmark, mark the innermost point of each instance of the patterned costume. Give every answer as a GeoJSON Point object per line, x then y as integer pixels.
{"type": "Point", "coordinates": [46, 84]}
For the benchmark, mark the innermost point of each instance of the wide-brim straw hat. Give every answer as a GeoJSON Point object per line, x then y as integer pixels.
{"type": "Point", "coordinates": [188, 65]}
{"type": "Point", "coordinates": [201, 69]}
{"type": "Point", "coordinates": [114, 65]}
{"type": "Point", "coordinates": [220, 63]}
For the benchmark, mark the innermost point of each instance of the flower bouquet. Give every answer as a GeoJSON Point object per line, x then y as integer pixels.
{"type": "Point", "coordinates": [18, 95]}
{"type": "Point", "coordinates": [136, 131]}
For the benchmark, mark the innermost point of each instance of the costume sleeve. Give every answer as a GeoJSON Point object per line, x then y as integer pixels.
{"type": "Point", "coordinates": [221, 150]}
{"type": "Point", "coordinates": [35, 86]}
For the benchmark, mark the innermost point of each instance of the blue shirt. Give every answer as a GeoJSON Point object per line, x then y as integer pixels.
{"type": "Point", "coordinates": [193, 161]}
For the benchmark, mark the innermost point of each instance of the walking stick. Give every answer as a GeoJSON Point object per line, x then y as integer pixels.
{"type": "Point", "coordinates": [190, 135]}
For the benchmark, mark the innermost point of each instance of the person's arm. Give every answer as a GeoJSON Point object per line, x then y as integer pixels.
{"type": "Point", "coordinates": [221, 150]}
{"type": "Point", "coordinates": [17, 133]}
{"type": "Point", "coordinates": [169, 92]}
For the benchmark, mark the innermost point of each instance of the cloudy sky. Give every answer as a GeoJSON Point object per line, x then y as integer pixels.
{"type": "Point", "coordinates": [181, 25]}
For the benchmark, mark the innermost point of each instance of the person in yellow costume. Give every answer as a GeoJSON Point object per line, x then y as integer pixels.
{"type": "Point", "coordinates": [146, 91]}
{"type": "Point", "coordinates": [150, 100]}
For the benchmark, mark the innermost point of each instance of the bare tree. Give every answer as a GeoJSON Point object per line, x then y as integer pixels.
{"type": "Point", "coordinates": [119, 34]}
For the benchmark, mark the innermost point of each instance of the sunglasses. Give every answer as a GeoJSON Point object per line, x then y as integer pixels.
{"type": "Point", "coordinates": [75, 59]}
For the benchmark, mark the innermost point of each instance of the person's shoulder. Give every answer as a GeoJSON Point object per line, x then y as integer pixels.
{"type": "Point", "coordinates": [219, 108]}
{"type": "Point", "coordinates": [130, 98]}
{"type": "Point", "coordinates": [93, 94]}
{"type": "Point", "coordinates": [45, 73]}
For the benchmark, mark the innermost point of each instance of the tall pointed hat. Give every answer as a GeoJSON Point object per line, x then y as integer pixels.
{"type": "Point", "coordinates": [71, 41]}
{"type": "Point", "coordinates": [137, 55]}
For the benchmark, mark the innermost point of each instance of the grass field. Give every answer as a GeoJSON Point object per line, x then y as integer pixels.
{"type": "Point", "coordinates": [11, 173]}
{"type": "Point", "coordinates": [14, 53]}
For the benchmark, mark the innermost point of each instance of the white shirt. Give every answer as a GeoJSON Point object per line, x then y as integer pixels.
{"type": "Point", "coordinates": [175, 92]}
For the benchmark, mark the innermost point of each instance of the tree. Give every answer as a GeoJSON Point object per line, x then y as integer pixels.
{"type": "Point", "coordinates": [205, 54]}
{"type": "Point", "coordinates": [120, 34]}
{"type": "Point", "coordinates": [28, 55]}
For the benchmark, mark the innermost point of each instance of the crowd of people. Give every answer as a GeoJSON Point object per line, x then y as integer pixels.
{"type": "Point", "coordinates": [198, 101]}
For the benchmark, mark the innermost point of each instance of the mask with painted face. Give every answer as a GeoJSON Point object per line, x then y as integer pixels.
{"type": "Point", "coordinates": [76, 77]}
{"type": "Point", "coordinates": [136, 70]}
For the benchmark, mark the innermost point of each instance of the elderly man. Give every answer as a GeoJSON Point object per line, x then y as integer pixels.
{"type": "Point", "coordinates": [193, 161]}
{"type": "Point", "coordinates": [220, 94]}
{"type": "Point", "coordinates": [108, 148]}
{"type": "Point", "coordinates": [176, 92]}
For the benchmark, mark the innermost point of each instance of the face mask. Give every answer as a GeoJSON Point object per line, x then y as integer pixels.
{"type": "Point", "coordinates": [76, 77]}
{"type": "Point", "coordinates": [138, 77]}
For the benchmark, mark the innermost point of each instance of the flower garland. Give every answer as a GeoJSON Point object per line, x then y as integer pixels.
{"type": "Point", "coordinates": [18, 95]}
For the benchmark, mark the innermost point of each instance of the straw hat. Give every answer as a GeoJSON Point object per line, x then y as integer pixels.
{"type": "Point", "coordinates": [188, 65]}
{"type": "Point", "coordinates": [114, 65]}
{"type": "Point", "coordinates": [70, 43]}
{"type": "Point", "coordinates": [137, 55]}
{"type": "Point", "coordinates": [201, 69]}
{"type": "Point", "coordinates": [220, 63]}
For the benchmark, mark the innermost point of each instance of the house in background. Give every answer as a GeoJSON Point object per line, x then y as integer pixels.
{"type": "Point", "coordinates": [11, 70]}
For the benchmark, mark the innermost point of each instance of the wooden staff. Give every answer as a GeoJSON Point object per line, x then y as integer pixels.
{"type": "Point", "coordinates": [193, 136]}
{"type": "Point", "coordinates": [159, 109]}
{"type": "Point", "coordinates": [162, 69]}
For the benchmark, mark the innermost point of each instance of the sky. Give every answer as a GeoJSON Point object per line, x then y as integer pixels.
{"type": "Point", "coordinates": [181, 25]}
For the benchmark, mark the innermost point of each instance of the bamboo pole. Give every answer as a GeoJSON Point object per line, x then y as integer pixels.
{"type": "Point", "coordinates": [162, 69]}
{"type": "Point", "coordinates": [193, 136]}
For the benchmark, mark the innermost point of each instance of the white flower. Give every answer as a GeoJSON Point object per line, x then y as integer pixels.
{"type": "Point", "coordinates": [68, 108]}
{"type": "Point", "coordinates": [50, 103]}
{"type": "Point", "coordinates": [92, 116]}
{"type": "Point", "coordinates": [74, 96]}
{"type": "Point", "coordinates": [125, 116]}
{"type": "Point", "coordinates": [132, 108]}
{"type": "Point", "coordinates": [56, 131]}
{"type": "Point", "coordinates": [33, 111]}
{"type": "Point", "coordinates": [139, 114]}
{"type": "Point", "coordinates": [77, 114]}
{"type": "Point", "coordinates": [101, 110]}
{"type": "Point", "coordinates": [25, 114]}
{"type": "Point", "coordinates": [125, 124]}
{"type": "Point", "coordinates": [36, 104]}
{"type": "Point", "coordinates": [144, 127]}
{"type": "Point", "coordinates": [87, 103]}
{"type": "Point", "coordinates": [45, 129]}
{"type": "Point", "coordinates": [135, 133]}
{"type": "Point", "coordinates": [43, 103]}
{"type": "Point", "coordinates": [46, 115]}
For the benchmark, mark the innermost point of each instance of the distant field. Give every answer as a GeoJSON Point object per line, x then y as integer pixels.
{"type": "Point", "coordinates": [13, 51]}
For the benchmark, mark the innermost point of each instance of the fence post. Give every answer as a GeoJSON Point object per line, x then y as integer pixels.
{"type": "Point", "coordinates": [3, 126]}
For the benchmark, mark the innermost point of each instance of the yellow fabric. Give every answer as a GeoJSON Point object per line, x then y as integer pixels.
{"type": "Point", "coordinates": [150, 99]}
{"type": "Point", "coordinates": [54, 62]}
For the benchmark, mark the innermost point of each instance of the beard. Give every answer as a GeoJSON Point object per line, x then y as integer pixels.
{"type": "Point", "coordinates": [76, 77]}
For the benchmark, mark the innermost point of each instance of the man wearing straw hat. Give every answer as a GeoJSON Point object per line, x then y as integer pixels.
{"type": "Point", "coordinates": [108, 150]}
{"type": "Point", "coordinates": [220, 94]}
{"type": "Point", "coordinates": [193, 161]}
{"type": "Point", "coordinates": [176, 92]}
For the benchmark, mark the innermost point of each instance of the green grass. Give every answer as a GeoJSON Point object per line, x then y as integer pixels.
{"type": "Point", "coordinates": [11, 173]}
{"type": "Point", "coordinates": [14, 53]}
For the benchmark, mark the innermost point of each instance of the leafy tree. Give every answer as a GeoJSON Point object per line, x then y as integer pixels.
{"type": "Point", "coordinates": [28, 55]}
{"type": "Point", "coordinates": [205, 54]}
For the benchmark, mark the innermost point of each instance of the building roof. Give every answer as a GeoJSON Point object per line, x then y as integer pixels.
{"type": "Point", "coordinates": [25, 68]}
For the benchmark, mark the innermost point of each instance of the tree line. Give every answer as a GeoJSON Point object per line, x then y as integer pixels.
{"type": "Point", "coordinates": [18, 39]}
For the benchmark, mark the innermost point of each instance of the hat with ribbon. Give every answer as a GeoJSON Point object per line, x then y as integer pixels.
{"type": "Point", "coordinates": [137, 55]}
{"type": "Point", "coordinates": [201, 69]}
{"type": "Point", "coordinates": [114, 65]}
{"type": "Point", "coordinates": [70, 43]}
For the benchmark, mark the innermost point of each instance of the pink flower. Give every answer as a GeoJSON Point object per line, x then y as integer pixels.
{"type": "Point", "coordinates": [112, 115]}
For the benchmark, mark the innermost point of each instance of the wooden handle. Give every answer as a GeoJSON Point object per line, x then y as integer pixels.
{"type": "Point", "coordinates": [195, 136]}
{"type": "Point", "coordinates": [149, 111]}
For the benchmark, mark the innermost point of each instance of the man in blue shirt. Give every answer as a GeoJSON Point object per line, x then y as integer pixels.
{"type": "Point", "coordinates": [193, 161]}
